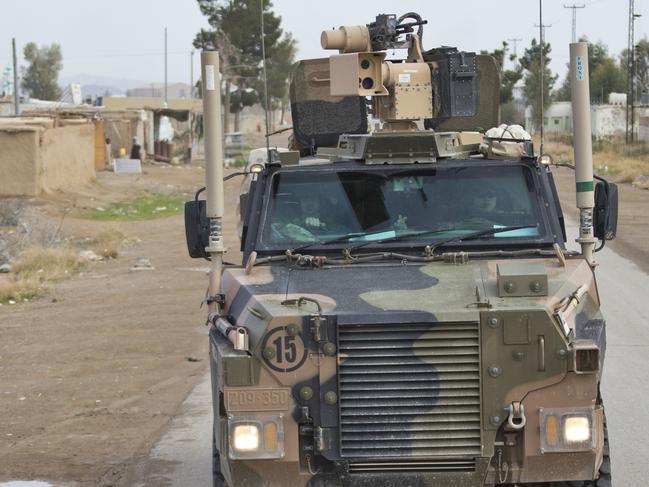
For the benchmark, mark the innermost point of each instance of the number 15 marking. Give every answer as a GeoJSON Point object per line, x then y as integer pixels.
{"type": "Point", "coordinates": [285, 349]}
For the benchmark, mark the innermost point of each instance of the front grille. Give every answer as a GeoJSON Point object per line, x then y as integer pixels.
{"type": "Point", "coordinates": [442, 465]}
{"type": "Point", "coordinates": [409, 390]}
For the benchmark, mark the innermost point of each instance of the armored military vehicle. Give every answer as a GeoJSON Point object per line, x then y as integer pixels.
{"type": "Point", "coordinates": [407, 312]}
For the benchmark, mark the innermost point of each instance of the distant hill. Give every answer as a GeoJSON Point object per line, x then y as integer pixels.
{"type": "Point", "coordinates": [174, 90]}
{"type": "Point", "coordinates": [122, 84]}
{"type": "Point", "coordinates": [101, 85]}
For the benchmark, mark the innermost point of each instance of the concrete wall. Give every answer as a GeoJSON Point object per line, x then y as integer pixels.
{"type": "Point", "coordinates": [19, 161]}
{"type": "Point", "coordinates": [606, 120]}
{"type": "Point", "coordinates": [35, 159]}
{"type": "Point", "coordinates": [6, 107]}
{"type": "Point", "coordinates": [68, 157]}
{"type": "Point", "coordinates": [252, 120]}
{"type": "Point", "coordinates": [643, 129]}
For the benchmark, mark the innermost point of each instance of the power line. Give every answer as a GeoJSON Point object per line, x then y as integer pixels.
{"type": "Point", "coordinates": [574, 8]}
{"type": "Point", "coordinates": [542, 28]}
{"type": "Point", "coordinates": [515, 40]}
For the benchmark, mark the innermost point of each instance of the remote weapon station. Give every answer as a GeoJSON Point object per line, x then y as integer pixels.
{"type": "Point", "coordinates": [407, 312]}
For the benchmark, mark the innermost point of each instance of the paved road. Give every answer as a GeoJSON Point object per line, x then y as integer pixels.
{"type": "Point", "coordinates": [182, 457]}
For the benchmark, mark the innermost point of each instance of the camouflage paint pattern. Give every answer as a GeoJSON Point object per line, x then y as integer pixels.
{"type": "Point", "coordinates": [289, 353]}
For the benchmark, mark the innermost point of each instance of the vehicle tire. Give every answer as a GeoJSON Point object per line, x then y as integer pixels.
{"type": "Point", "coordinates": [217, 476]}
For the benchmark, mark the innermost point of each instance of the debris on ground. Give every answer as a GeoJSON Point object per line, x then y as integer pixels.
{"type": "Point", "coordinates": [142, 264]}
{"type": "Point", "coordinates": [89, 256]}
{"type": "Point", "coordinates": [641, 181]}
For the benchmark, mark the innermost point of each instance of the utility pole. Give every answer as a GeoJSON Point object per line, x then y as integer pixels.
{"type": "Point", "coordinates": [16, 98]}
{"type": "Point", "coordinates": [542, 27]}
{"type": "Point", "coordinates": [166, 99]}
{"type": "Point", "coordinates": [191, 74]}
{"type": "Point", "coordinates": [574, 8]}
{"type": "Point", "coordinates": [630, 97]}
{"type": "Point", "coordinates": [515, 41]}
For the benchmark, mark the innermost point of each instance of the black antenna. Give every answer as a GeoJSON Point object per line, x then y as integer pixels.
{"type": "Point", "coordinates": [542, 27]}
{"type": "Point", "coordinates": [263, 55]}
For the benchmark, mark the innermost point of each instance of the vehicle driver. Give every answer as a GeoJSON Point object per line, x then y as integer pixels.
{"type": "Point", "coordinates": [311, 219]}
{"type": "Point", "coordinates": [481, 204]}
{"type": "Point", "coordinates": [303, 220]}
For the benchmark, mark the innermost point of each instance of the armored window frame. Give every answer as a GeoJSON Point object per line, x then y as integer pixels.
{"type": "Point", "coordinates": [546, 238]}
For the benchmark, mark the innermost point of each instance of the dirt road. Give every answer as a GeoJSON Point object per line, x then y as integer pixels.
{"type": "Point", "coordinates": [91, 374]}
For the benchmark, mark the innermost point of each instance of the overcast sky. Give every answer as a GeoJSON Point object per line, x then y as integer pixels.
{"type": "Point", "coordinates": [124, 38]}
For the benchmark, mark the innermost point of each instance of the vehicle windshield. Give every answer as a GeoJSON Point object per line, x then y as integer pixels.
{"type": "Point", "coordinates": [367, 205]}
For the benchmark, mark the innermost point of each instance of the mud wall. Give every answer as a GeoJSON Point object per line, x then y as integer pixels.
{"type": "Point", "coordinates": [34, 159]}
{"type": "Point", "coordinates": [68, 157]}
{"type": "Point", "coordinates": [19, 161]}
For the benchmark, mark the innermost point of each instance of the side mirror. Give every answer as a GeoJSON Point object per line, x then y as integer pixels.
{"type": "Point", "coordinates": [197, 228]}
{"type": "Point", "coordinates": [605, 211]}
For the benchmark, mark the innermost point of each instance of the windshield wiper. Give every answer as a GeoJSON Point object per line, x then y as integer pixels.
{"type": "Point", "coordinates": [349, 236]}
{"type": "Point", "coordinates": [341, 238]}
{"type": "Point", "coordinates": [395, 238]}
{"type": "Point", "coordinates": [477, 234]}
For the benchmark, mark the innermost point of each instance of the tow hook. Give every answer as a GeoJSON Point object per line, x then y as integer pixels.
{"type": "Point", "coordinates": [516, 415]}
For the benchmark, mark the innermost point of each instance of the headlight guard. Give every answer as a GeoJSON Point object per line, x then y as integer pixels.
{"type": "Point", "coordinates": [258, 436]}
{"type": "Point", "coordinates": [567, 430]}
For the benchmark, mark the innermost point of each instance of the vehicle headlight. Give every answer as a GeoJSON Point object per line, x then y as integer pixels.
{"type": "Point", "coordinates": [255, 436]}
{"type": "Point", "coordinates": [571, 429]}
{"type": "Point", "coordinates": [576, 429]}
{"type": "Point", "coordinates": [245, 437]}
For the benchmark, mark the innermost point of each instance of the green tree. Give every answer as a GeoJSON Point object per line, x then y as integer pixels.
{"type": "Point", "coordinates": [606, 75]}
{"type": "Point", "coordinates": [641, 67]}
{"type": "Point", "coordinates": [41, 77]}
{"type": "Point", "coordinates": [606, 78]}
{"type": "Point", "coordinates": [235, 32]}
{"type": "Point", "coordinates": [508, 80]}
{"type": "Point", "coordinates": [278, 68]}
{"type": "Point", "coordinates": [508, 77]}
{"type": "Point", "coordinates": [531, 63]}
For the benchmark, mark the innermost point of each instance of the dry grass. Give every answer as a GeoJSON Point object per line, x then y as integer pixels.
{"type": "Point", "coordinates": [46, 264]}
{"type": "Point", "coordinates": [107, 243]}
{"type": "Point", "coordinates": [36, 267]}
{"type": "Point", "coordinates": [17, 291]}
{"type": "Point", "coordinates": [622, 162]}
